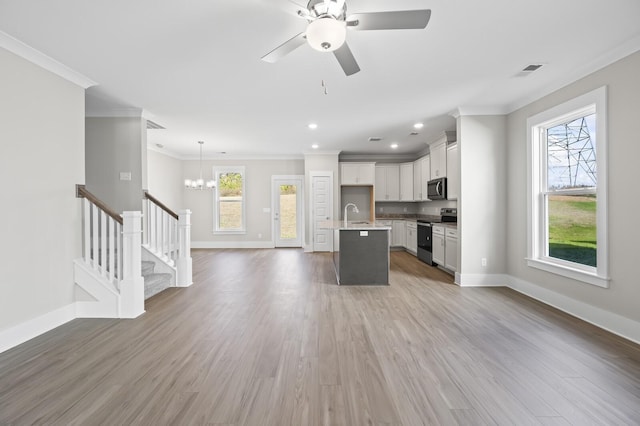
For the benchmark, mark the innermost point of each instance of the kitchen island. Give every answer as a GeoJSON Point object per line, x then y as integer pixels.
{"type": "Point", "coordinates": [361, 255]}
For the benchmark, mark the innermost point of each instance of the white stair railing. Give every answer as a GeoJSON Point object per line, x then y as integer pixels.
{"type": "Point", "coordinates": [168, 235]}
{"type": "Point", "coordinates": [112, 251]}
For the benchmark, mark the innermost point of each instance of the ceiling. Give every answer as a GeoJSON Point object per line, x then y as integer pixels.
{"type": "Point", "coordinates": [194, 67]}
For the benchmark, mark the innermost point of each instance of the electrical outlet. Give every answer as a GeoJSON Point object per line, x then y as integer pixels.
{"type": "Point", "coordinates": [405, 209]}
{"type": "Point", "coordinates": [381, 209]}
{"type": "Point", "coordinates": [484, 261]}
{"type": "Point", "coordinates": [423, 210]}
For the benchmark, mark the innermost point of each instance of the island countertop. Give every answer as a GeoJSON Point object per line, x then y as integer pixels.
{"type": "Point", "coordinates": [356, 225]}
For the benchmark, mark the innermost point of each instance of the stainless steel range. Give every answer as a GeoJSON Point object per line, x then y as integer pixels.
{"type": "Point", "coordinates": [425, 232]}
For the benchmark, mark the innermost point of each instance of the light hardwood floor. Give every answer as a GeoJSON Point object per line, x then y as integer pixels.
{"type": "Point", "coordinates": [266, 337]}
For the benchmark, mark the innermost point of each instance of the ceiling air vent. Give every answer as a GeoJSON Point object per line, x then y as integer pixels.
{"type": "Point", "coordinates": [152, 125]}
{"type": "Point", "coordinates": [531, 68]}
{"type": "Point", "coordinates": [375, 139]}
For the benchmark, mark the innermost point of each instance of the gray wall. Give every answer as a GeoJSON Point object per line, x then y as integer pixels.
{"type": "Point", "coordinates": [41, 160]}
{"type": "Point", "coordinates": [114, 145]}
{"type": "Point", "coordinates": [165, 179]}
{"type": "Point", "coordinates": [258, 196]}
{"type": "Point", "coordinates": [482, 199]}
{"type": "Point", "coordinates": [624, 204]}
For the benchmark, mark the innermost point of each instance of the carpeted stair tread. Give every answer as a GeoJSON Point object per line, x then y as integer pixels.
{"type": "Point", "coordinates": [148, 267]}
{"type": "Point", "coordinates": [154, 283]}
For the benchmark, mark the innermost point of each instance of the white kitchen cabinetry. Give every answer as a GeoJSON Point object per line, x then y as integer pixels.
{"type": "Point", "coordinates": [387, 182]}
{"type": "Point", "coordinates": [425, 176]}
{"type": "Point", "coordinates": [438, 154]}
{"type": "Point", "coordinates": [438, 244]}
{"type": "Point", "coordinates": [406, 182]}
{"type": "Point", "coordinates": [417, 181]}
{"type": "Point", "coordinates": [357, 174]}
{"type": "Point", "coordinates": [453, 181]}
{"type": "Point", "coordinates": [399, 236]}
{"type": "Point", "coordinates": [451, 249]}
{"type": "Point", "coordinates": [388, 223]}
{"type": "Point", "coordinates": [412, 237]}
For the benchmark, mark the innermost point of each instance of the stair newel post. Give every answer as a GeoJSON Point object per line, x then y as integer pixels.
{"type": "Point", "coordinates": [184, 264]}
{"type": "Point", "coordinates": [132, 285]}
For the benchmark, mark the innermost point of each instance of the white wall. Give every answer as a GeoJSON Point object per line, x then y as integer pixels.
{"type": "Point", "coordinates": [482, 199]}
{"type": "Point", "coordinates": [258, 196]}
{"type": "Point", "coordinates": [114, 145]}
{"type": "Point", "coordinates": [41, 160]}
{"type": "Point", "coordinates": [165, 179]}
{"type": "Point", "coordinates": [624, 204]}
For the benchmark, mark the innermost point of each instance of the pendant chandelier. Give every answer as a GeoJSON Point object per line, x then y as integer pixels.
{"type": "Point", "coordinates": [199, 183]}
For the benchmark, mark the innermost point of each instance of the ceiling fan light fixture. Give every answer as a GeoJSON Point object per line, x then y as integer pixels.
{"type": "Point", "coordinates": [326, 34]}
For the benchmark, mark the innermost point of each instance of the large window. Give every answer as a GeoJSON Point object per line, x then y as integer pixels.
{"type": "Point", "coordinates": [567, 189]}
{"type": "Point", "coordinates": [229, 208]}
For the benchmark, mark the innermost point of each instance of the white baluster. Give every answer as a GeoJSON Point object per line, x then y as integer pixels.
{"type": "Point", "coordinates": [119, 253]}
{"type": "Point", "coordinates": [152, 227]}
{"type": "Point", "coordinates": [103, 243]}
{"type": "Point", "coordinates": [87, 231]}
{"type": "Point", "coordinates": [184, 275]}
{"type": "Point", "coordinates": [112, 248]}
{"type": "Point", "coordinates": [94, 238]}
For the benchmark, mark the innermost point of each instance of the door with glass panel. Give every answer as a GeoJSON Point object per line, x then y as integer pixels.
{"type": "Point", "coordinates": [287, 211]}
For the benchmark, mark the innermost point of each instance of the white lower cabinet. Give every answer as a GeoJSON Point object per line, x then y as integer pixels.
{"type": "Point", "coordinates": [399, 237]}
{"type": "Point", "coordinates": [388, 223]}
{"type": "Point", "coordinates": [438, 244]}
{"type": "Point", "coordinates": [412, 238]}
{"type": "Point", "coordinates": [451, 249]}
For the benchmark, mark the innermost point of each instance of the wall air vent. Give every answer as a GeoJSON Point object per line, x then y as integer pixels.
{"type": "Point", "coordinates": [152, 125]}
{"type": "Point", "coordinates": [375, 139]}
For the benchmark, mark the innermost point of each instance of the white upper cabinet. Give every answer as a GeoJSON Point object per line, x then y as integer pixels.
{"type": "Point", "coordinates": [417, 181]}
{"type": "Point", "coordinates": [357, 174]}
{"type": "Point", "coordinates": [438, 160]}
{"type": "Point", "coordinates": [453, 180]}
{"type": "Point", "coordinates": [421, 175]}
{"type": "Point", "coordinates": [387, 182]}
{"type": "Point", "coordinates": [406, 182]}
{"type": "Point", "coordinates": [438, 153]}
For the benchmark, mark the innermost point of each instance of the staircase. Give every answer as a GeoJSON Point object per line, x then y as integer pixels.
{"type": "Point", "coordinates": [129, 257]}
{"type": "Point", "coordinates": [154, 282]}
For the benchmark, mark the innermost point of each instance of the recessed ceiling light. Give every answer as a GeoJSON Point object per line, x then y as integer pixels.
{"type": "Point", "coordinates": [394, 146]}
{"type": "Point", "coordinates": [314, 146]}
{"type": "Point", "coordinates": [312, 126]}
{"type": "Point", "coordinates": [418, 126]}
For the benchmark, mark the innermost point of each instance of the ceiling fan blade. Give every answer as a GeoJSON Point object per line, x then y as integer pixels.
{"type": "Point", "coordinates": [346, 60]}
{"type": "Point", "coordinates": [398, 20]}
{"type": "Point", "coordinates": [285, 48]}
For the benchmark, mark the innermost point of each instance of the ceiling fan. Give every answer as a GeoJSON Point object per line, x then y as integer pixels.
{"type": "Point", "coordinates": [327, 29]}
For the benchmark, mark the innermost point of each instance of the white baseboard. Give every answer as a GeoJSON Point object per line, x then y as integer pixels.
{"type": "Point", "coordinates": [231, 244]}
{"type": "Point", "coordinates": [308, 248]}
{"type": "Point", "coordinates": [482, 280]}
{"type": "Point", "coordinates": [27, 330]}
{"type": "Point", "coordinates": [614, 323]}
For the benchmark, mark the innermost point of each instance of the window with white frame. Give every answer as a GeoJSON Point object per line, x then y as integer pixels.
{"type": "Point", "coordinates": [567, 218]}
{"type": "Point", "coordinates": [229, 201]}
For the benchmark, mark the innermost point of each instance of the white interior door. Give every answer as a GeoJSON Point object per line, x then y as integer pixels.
{"type": "Point", "coordinates": [322, 210]}
{"type": "Point", "coordinates": [287, 196]}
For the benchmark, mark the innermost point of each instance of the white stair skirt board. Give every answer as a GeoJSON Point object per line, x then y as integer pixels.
{"type": "Point", "coordinates": [482, 280]}
{"type": "Point", "coordinates": [614, 323]}
{"type": "Point", "coordinates": [106, 303]}
{"type": "Point", "coordinates": [231, 244]}
{"type": "Point", "coordinates": [20, 333]}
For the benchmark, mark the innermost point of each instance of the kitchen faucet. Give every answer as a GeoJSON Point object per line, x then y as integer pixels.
{"type": "Point", "coordinates": [355, 209]}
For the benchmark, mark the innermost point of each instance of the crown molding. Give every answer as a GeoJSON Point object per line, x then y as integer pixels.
{"type": "Point", "coordinates": [36, 57]}
{"type": "Point", "coordinates": [623, 50]}
{"type": "Point", "coordinates": [376, 158]}
{"type": "Point", "coordinates": [311, 154]}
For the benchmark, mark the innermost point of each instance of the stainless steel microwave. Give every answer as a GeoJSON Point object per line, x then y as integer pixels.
{"type": "Point", "coordinates": [437, 189]}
